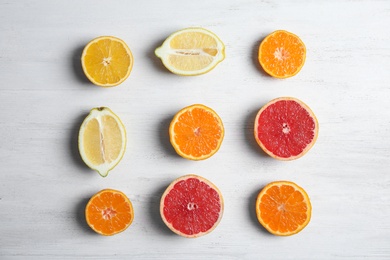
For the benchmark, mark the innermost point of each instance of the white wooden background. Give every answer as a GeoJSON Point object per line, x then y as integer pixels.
{"type": "Point", "coordinates": [44, 96]}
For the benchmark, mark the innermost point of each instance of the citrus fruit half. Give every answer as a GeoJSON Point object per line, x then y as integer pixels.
{"type": "Point", "coordinates": [196, 132]}
{"type": "Point", "coordinates": [282, 54]}
{"type": "Point", "coordinates": [191, 206]}
{"type": "Point", "coordinates": [107, 61]}
{"type": "Point", "coordinates": [109, 212]}
{"type": "Point", "coordinates": [102, 140]}
{"type": "Point", "coordinates": [283, 208]}
{"type": "Point", "coordinates": [286, 128]}
{"type": "Point", "coordinates": [191, 51]}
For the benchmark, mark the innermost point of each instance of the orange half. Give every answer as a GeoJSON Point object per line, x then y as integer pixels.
{"type": "Point", "coordinates": [283, 208]}
{"type": "Point", "coordinates": [282, 54]}
{"type": "Point", "coordinates": [196, 132]}
{"type": "Point", "coordinates": [109, 212]}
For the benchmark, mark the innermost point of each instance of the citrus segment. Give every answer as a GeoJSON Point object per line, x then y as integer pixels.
{"type": "Point", "coordinates": [102, 140]}
{"type": "Point", "coordinates": [286, 128]}
{"type": "Point", "coordinates": [282, 54]}
{"type": "Point", "coordinates": [191, 51]}
{"type": "Point", "coordinates": [196, 132]}
{"type": "Point", "coordinates": [109, 212]}
{"type": "Point", "coordinates": [283, 208]}
{"type": "Point", "coordinates": [107, 61]}
{"type": "Point", "coordinates": [191, 206]}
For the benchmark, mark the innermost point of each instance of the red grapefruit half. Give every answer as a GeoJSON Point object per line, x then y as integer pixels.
{"type": "Point", "coordinates": [286, 128]}
{"type": "Point", "coordinates": [191, 206]}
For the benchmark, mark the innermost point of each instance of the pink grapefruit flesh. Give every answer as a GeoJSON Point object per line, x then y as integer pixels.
{"type": "Point", "coordinates": [191, 206]}
{"type": "Point", "coordinates": [286, 128]}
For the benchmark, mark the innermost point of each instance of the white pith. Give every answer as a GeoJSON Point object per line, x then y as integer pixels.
{"type": "Point", "coordinates": [108, 213]}
{"type": "Point", "coordinates": [281, 54]}
{"type": "Point", "coordinates": [286, 128]}
{"type": "Point", "coordinates": [106, 61]}
{"type": "Point", "coordinates": [192, 206]}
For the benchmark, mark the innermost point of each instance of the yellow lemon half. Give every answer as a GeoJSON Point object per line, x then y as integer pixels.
{"type": "Point", "coordinates": [107, 61]}
{"type": "Point", "coordinates": [102, 140]}
{"type": "Point", "coordinates": [191, 51]}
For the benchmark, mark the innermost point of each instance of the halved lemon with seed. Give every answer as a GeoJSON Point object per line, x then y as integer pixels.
{"type": "Point", "coordinates": [191, 51]}
{"type": "Point", "coordinates": [102, 140]}
{"type": "Point", "coordinates": [107, 61]}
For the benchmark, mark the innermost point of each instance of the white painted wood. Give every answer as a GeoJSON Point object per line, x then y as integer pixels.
{"type": "Point", "coordinates": [44, 96]}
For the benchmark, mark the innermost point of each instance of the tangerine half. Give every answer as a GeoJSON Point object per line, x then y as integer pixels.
{"type": "Point", "coordinates": [283, 208]}
{"type": "Point", "coordinates": [282, 54]}
{"type": "Point", "coordinates": [196, 132]}
{"type": "Point", "coordinates": [109, 212]}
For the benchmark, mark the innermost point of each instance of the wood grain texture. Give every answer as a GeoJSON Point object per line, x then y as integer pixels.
{"type": "Point", "coordinates": [44, 185]}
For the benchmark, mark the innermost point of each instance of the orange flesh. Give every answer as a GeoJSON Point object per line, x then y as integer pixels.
{"type": "Point", "coordinates": [197, 132]}
{"type": "Point", "coordinates": [282, 54]}
{"type": "Point", "coordinates": [109, 212]}
{"type": "Point", "coordinates": [283, 209]}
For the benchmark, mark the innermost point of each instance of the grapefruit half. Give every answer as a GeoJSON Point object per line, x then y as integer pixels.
{"type": "Point", "coordinates": [286, 128]}
{"type": "Point", "coordinates": [191, 206]}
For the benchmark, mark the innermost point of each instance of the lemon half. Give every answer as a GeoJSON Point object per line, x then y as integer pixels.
{"type": "Point", "coordinates": [107, 61]}
{"type": "Point", "coordinates": [191, 51]}
{"type": "Point", "coordinates": [102, 140]}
